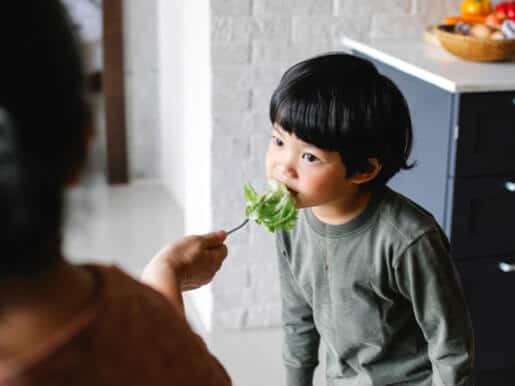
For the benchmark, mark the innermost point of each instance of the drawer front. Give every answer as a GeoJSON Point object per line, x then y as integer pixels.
{"type": "Point", "coordinates": [486, 141]}
{"type": "Point", "coordinates": [490, 292]}
{"type": "Point", "coordinates": [497, 377]}
{"type": "Point", "coordinates": [483, 217]}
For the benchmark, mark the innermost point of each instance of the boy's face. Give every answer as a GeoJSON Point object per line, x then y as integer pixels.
{"type": "Point", "coordinates": [316, 177]}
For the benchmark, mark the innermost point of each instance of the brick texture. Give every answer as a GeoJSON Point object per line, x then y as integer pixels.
{"type": "Point", "coordinates": [293, 7]}
{"type": "Point", "coordinates": [231, 7]}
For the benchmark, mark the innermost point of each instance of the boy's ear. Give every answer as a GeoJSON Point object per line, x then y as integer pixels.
{"type": "Point", "coordinates": [366, 176]}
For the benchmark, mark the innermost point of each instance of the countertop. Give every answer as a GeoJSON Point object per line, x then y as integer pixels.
{"type": "Point", "coordinates": [435, 65]}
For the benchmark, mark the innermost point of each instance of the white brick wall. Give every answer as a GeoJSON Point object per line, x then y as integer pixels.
{"type": "Point", "coordinates": [253, 42]}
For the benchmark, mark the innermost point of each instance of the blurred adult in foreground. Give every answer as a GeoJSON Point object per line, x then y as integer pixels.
{"type": "Point", "coordinates": [66, 324]}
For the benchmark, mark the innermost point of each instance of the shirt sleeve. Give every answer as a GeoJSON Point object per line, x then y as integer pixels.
{"type": "Point", "coordinates": [171, 336]}
{"type": "Point", "coordinates": [301, 338]}
{"type": "Point", "coordinates": [209, 371]}
{"type": "Point", "coordinates": [426, 276]}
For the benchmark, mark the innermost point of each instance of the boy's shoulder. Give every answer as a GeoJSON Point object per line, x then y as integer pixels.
{"type": "Point", "coordinates": [393, 220]}
{"type": "Point", "coordinates": [404, 217]}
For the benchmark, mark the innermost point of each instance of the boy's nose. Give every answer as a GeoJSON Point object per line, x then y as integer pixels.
{"type": "Point", "coordinates": [287, 170]}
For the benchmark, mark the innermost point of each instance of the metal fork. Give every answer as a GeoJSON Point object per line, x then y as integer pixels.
{"type": "Point", "coordinates": [238, 227]}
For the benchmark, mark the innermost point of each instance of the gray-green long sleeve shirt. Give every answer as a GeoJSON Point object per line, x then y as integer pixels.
{"type": "Point", "coordinates": [382, 293]}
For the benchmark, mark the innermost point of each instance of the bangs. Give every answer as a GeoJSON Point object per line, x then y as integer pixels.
{"type": "Point", "coordinates": [322, 120]}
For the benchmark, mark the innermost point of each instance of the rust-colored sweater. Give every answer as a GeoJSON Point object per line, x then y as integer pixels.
{"type": "Point", "coordinates": [130, 336]}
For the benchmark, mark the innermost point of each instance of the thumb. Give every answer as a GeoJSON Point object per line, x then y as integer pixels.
{"type": "Point", "coordinates": [214, 239]}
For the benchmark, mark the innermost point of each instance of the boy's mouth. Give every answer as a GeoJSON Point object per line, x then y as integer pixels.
{"type": "Point", "coordinates": [292, 192]}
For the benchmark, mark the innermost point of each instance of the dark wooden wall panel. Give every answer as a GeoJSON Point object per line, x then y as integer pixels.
{"type": "Point", "coordinates": [114, 92]}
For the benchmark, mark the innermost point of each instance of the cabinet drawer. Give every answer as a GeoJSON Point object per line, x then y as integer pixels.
{"type": "Point", "coordinates": [497, 377]}
{"type": "Point", "coordinates": [486, 141]}
{"type": "Point", "coordinates": [483, 216]}
{"type": "Point", "coordinates": [489, 292]}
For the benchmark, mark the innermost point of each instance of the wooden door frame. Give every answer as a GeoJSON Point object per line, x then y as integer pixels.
{"type": "Point", "coordinates": [113, 84]}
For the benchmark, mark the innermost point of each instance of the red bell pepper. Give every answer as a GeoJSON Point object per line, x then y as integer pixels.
{"type": "Point", "coordinates": [510, 10]}
{"type": "Point", "coordinates": [505, 10]}
{"type": "Point", "coordinates": [500, 10]}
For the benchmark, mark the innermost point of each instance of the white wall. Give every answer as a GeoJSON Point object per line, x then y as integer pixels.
{"type": "Point", "coordinates": [198, 129]}
{"type": "Point", "coordinates": [185, 117]}
{"type": "Point", "coordinates": [171, 43]}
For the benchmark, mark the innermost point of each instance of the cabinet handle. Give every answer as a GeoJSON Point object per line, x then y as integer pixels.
{"type": "Point", "coordinates": [510, 186]}
{"type": "Point", "coordinates": [506, 267]}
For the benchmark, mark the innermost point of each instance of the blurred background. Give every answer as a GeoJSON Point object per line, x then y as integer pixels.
{"type": "Point", "coordinates": [180, 91]}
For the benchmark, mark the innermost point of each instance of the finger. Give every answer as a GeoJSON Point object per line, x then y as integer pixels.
{"type": "Point", "coordinates": [219, 253]}
{"type": "Point", "coordinates": [222, 250]}
{"type": "Point", "coordinates": [213, 239]}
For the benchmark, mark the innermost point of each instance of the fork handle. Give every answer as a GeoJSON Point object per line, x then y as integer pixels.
{"type": "Point", "coordinates": [238, 227]}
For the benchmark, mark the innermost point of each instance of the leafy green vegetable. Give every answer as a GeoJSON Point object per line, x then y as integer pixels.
{"type": "Point", "coordinates": [274, 209]}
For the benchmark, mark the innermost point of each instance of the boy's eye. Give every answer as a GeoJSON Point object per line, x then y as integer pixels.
{"type": "Point", "coordinates": [309, 157]}
{"type": "Point", "coordinates": [277, 141]}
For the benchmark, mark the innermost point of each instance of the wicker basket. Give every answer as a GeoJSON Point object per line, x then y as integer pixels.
{"type": "Point", "coordinates": [475, 49]}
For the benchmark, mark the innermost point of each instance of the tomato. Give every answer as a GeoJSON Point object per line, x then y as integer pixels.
{"type": "Point", "coordinates": [493, 20]}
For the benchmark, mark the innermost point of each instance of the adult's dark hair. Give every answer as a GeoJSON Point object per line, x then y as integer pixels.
{"type": "Point", "coordinates": [43, 116]}
{"type": "Point", "coordinates": [339, 102]}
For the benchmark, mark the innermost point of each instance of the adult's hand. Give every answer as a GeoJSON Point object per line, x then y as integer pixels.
{"type": "Point", "coordinates": [187, 264]}
{"type": "Point", "coordinates": [195, 259]}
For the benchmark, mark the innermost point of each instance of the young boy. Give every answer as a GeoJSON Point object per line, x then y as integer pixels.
{"type": "Point", "coordinates": [365, 269]}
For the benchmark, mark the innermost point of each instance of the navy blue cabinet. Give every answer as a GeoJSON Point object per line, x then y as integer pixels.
{"type": "Point", "coordinates": [465, 149]}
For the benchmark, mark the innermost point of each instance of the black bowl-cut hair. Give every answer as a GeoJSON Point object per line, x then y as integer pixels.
{"type": "Point", "coordinates": [340, 102]}
{"type": "Point", "coordinates": [44, 117]}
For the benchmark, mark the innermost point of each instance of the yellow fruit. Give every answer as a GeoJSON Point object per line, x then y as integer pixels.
{"type": "Point", "coordinates": [486, 7]}
{"type": "Point", "coordinates": [475, 7]}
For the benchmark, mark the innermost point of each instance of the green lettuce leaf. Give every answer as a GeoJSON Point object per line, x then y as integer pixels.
{"type": "Point", "coordinates": [274, 209]}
